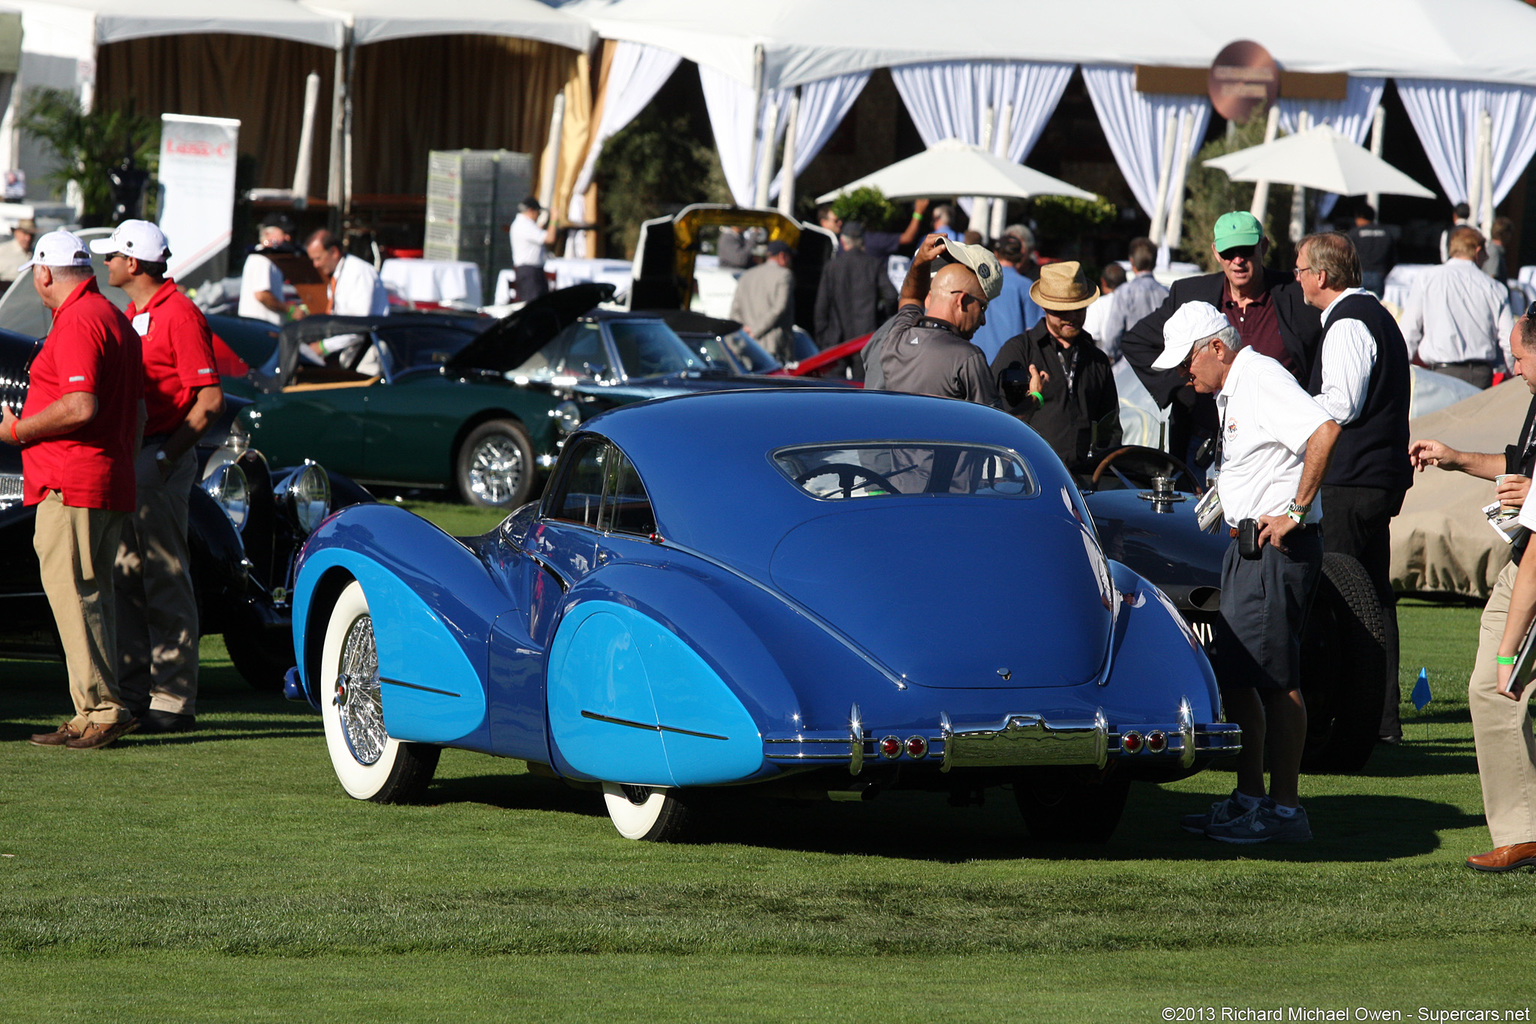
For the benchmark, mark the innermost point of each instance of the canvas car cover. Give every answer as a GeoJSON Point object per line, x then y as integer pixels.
{"type": "Point", "coordinates": [1441, 541]}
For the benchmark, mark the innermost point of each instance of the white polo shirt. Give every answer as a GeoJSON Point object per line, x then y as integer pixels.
{"type": "Point", "coordinates": [260, 275]}
{"type": "Point", "coordinates": [527, 243]}
{"type": "Point", "coordinates": [1266, 422]}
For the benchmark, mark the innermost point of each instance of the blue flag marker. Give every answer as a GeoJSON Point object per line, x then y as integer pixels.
{"type": "Point", "coordinates": [1421, 695]}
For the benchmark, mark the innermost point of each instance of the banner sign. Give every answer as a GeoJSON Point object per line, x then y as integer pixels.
{"type": "Point", "coordinates": [197, 181]}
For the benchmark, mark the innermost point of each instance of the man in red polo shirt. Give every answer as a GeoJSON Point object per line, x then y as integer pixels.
{"type": "Point", "coordinates": [156, 606]}
{"type": "Point", "coordinates": [77, 433]}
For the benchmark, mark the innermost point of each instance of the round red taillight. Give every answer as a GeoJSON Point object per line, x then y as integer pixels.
{"type": "Point", "coordinates": [1131, 742]}
{"type": "Point", "coordinates": [1157, 742]}
{"type": "Point", "coordinates": [890, 747]}
{"type": "Point", "coordinates": [917, 747]}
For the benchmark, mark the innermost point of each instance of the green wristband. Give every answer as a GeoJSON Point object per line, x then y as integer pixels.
{"type": "Point", "coordinates": [1038, 397]}
{"type": "Point", "coordinates": [1505, 661]}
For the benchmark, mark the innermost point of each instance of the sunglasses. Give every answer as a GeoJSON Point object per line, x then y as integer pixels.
{"type": "Point", "coordinates": [1244, 251]}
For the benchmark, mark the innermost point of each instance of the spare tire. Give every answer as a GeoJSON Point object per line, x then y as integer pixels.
{"type": "Point", "coordinates": [1343, 668]}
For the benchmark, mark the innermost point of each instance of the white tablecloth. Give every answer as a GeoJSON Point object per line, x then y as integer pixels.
{"type": "Point", "coordinates": [441, 281]}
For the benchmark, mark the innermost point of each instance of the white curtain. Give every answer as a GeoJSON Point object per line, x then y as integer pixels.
{"type": "Point", "coordinates": [1351, 117]}
{"type": "Point", "coordinates": [635, 75]}
{"type": "Point", "coordinates": [1135, 124]}
{"type": "Point", "coordinates": [1445, 114]}
{"type": "Point", "coordinates": [732, 118]}
{"type": "Point", "coordinates": [823, 105]}
{"type": "Point", "coordinates": [949, 100]}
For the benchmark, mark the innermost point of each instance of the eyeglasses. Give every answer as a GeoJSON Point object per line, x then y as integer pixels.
{"type": "Point", "coordinates": [1245, 252]}
{"type": "Point", "coordinates": [1305, 270]}
{"type": "Point", "coordinates": [109, 257]}
{"type": "Point", "coordinates": [968, 295]}
{"type": "Point", "coordinates": [1189, 360]}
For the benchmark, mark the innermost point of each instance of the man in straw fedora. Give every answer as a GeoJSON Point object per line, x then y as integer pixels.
{"type": "Point", "coordinates": [1072, 402]}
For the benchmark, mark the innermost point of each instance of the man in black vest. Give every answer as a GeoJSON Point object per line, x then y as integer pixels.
{"type": "Point", "coordinates": [1361, 379]}
{"type": "Point", "coordinates": [1266, 306]}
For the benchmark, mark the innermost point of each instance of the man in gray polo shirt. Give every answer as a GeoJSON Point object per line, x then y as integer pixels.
{"type": "Point", "coordinates": [925, 349]}
{"type": "Point", "coordinates": [1276, 442]}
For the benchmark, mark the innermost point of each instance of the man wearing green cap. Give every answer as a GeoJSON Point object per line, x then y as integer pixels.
{"type": "Point", "coordinates": [1265, 306]}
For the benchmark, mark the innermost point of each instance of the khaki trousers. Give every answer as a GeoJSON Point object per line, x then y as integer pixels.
{"type": "Point", "coordinates": [75, 551]}
{"type": "Point", "coordinates": [156, 606]}
{"type": "Point", "coordinates": [1506, 758]}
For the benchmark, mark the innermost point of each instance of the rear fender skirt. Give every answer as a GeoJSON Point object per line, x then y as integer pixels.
{"type": "Point", "coordinates": [1157, 661]}
{"type": "Point", "coordinates": [631, 702]}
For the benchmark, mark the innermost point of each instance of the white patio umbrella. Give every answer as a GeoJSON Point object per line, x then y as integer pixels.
{"type": "Point", "coordinates": [1319, 158]}
{"type": "Point", "coordinates": [955, 168]}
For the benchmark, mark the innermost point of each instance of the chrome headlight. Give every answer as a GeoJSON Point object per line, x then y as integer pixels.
{"type": "Point", "coordinates": [567, 417]}
{"type": "Point", "coordinates": [10, 489]}
{"type": "Point", "coordinates": [307, 494]}
{"type": "Point", "coordinates": [227, 486]}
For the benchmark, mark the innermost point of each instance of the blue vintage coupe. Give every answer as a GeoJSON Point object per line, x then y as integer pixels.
{"type": "Point", "coordinates": [811, 591]}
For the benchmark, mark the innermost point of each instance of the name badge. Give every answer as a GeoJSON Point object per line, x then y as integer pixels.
{"type": "Point", "coordinates": [141, 324]}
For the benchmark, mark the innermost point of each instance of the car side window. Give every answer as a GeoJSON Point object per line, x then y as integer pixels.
{"type": "Point", "coordinates": [579, 496]}
{"type": "Point", "coordinates": [626, 506]}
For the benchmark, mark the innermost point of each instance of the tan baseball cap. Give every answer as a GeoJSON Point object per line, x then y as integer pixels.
{"type": "Point", "coordinates": [989, 272]}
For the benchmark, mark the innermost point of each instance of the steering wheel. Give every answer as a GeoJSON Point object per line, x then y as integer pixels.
{"type": "Point", "coordinates": [1170, 461]}
{"type": "Point", "coordinates": [847, 474]}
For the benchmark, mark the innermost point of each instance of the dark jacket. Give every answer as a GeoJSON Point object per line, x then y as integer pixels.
{"type": "Point", "coordinates": [1301, 329]}
{"type": "Point", "coordinates": [1192, 416]}
{"type": "Point", "coordinates": [854, 297]}
{"type": "Point", "coordinates": [1066, 420]}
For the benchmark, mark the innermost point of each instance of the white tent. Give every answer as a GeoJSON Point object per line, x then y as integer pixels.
{"type": "Point", "coordinates": [375, 21]}
{"type": "Point", "coordinates": [801, 41]}
{"type": "Point", "coordinates": [955, 168]}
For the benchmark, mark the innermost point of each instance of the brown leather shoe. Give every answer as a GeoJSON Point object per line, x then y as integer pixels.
{"type": "Point", "coordinates": [1505, 858]}
{"type": "Point", "coordinates": [63, 734]}
{"type": "Point", "coordinates": [102, 734]}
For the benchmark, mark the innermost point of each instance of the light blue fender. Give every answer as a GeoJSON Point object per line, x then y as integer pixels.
{"type": "Point", "coordinates": [431, 691]}
{"type": "Point", "coordinates": [631, 702]}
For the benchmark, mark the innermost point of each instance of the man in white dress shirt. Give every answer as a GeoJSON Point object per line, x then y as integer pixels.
{"type": "Point", "coordinates": [1457, 318]}
{"type": "Point", "coordinates": [354, 289]}
{"type": "Point", "coordinates": [1361, 380]}
{"type": "Point", "coordinates": [530, 248]}
{"type": "Point", "coordinates": [1276, 442]}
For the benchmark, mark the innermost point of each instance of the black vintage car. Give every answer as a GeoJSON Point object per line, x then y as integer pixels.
{"type": "Point", "coordinates": [246, 523]}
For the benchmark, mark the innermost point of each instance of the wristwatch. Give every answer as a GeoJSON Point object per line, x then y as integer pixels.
{"type": "Point", "coordinates": [1298, 513]}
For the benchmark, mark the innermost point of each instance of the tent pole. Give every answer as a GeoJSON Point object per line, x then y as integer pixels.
{"type": "Point", "coordinates": [338, 107]}
{"type": "Point", "coordinates": [1175, 230]}
{"type": "Point", "coordinates": [346, 149]}
{"type": "Point", "coordinates": [1378, 124]}
{"type": "Point", "coordinates": [1159, 207]}
{"type": "Point", "coordinates": [1005, 143]}
{"type": "Point", "coordinates": [757, 111]}
{"type": "Point", "coordinates": [1260, 204]}
{"type": "Point", "coordinates": [981, 217]}
{"type": "Point", "coordinates": [787, 172]}
{"type": "Point", "coordinates": [301, 167]}
{"type": "Point", "coordinates": [1298, 226]}
{"type": "Point", "coordinates": [765, 150]}
{"type": "Point", "coordinates": [1485, 161]}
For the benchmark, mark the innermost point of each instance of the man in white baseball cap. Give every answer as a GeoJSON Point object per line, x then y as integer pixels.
{"type": "Point", "coordinates": [1275, 445]}
{"type": "Point", "coordinates": [76, 435]}
{"type": "Point", "coordinates": [157, 625]}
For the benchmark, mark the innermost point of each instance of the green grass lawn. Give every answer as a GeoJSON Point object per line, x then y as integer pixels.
{"type": "Point", "coordinates": [224, 876]}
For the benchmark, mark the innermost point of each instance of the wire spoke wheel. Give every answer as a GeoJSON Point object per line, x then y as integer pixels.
{"type": "Point", "coordinates": [357, 693]}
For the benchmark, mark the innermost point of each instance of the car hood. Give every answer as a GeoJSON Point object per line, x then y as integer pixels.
{"type": "Point", "coordinates": [958, 596]}
{"type": "Point", "coordinates": [510, 341]}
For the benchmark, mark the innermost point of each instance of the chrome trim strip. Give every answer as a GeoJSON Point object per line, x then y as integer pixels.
{"type": "Point", "coordinates": [594, 716]}
{"type": "Point", "coordinates": [418, 686]}
{"type": "Point", "coordinates": [1026, 740]}
{"type": "Point", "coordinates": [855, 741]}
{"type": "Point", "coordinates": [1186, 733]}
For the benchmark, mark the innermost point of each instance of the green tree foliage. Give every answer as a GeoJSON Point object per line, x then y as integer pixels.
{"type": "Point", "coordinates": [1062, 222]}
{"type": "Point", "coordinates": [652, 167]}
{"type": "Point", "coordinates": [869, 207]}
{"type": "Point", "coordinates": [1212, 193]}
{"type": "Point", "coordinates": [89, 145]}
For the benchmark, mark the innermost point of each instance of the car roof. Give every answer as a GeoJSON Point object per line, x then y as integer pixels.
{"type": "Point", "coordinates": [705, 459]}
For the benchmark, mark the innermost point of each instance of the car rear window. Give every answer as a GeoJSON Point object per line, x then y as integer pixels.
{"type": "Point", "coordinates": [893, 468]}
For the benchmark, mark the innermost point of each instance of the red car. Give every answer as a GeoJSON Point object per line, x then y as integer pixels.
{"type": "Point", "coordinates": [842, 362]}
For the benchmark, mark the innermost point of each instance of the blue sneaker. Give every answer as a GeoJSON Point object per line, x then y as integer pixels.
{"type": "Point", "coordinates": [1263, 824]}
{"type": "Point", "coordinates": [1223, 810]}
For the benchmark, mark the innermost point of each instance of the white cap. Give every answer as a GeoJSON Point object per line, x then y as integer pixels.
{"type": "Point", "coordinates": [137, 238]}
{"type": "Point", "coordinates": [1190, 324]}
{"type": "Point", "coordinates": [57, 249]}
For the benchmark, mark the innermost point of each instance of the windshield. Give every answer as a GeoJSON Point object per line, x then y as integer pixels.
{"type": "Point", "coordinates": [864, 469]}
{"type": "Point", "coordinates": [646, 348]}
{"type": "Point", "coordinates": [749, 356]}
